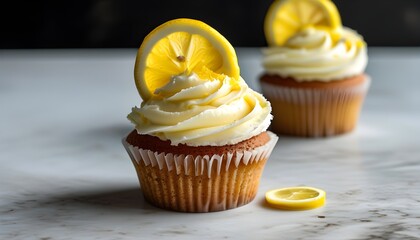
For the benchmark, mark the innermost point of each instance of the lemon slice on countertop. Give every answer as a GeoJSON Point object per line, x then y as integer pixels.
{"type": "Point", "coordinates": [182, 46]}
{"type": "Point", "coordinates": [296, 198]}
{"type": "Point", "coordinates": [286, 17]}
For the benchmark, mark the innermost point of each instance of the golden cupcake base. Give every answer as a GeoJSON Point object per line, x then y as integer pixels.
{"type": "Point", "coordinates": [315, 109]}
{"type": "Point", "coordinates": [191, 182]}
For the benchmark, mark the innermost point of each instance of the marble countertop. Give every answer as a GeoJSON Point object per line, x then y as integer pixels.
{"type": "Point", "coordinates": [65, 175]}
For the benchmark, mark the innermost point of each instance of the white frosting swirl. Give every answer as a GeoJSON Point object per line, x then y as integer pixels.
{"type": "Point", "coordinates": [200, 112]}
{"type": "Point", "coordinates": [312, 55]}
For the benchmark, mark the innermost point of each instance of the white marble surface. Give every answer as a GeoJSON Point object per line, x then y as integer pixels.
{"type": "Point", "coordinates": [65, 175]}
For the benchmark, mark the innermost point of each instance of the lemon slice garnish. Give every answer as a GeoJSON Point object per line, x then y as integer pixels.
{"type": "Point", "coordinates": [286, 17]}
{"type": "Point", "coordinates": [182, 46]}
{"type": "Point", "coordinates": [296, 198]}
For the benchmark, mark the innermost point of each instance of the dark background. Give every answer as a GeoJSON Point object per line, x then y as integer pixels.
{"type": "Point", "coordinates": [123, 24]}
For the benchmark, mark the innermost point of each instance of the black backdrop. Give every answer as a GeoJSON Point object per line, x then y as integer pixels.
{"type": "Point", "coordinates": [124, 23]}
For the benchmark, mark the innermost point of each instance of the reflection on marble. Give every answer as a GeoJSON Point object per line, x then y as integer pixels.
{"type": "Point", "coordinates": [65, 175]}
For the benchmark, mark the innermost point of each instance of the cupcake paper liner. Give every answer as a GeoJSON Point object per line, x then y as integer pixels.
{"type": "Point", "coordinates": [315, 112]}
{"type": "Point", "coordinates": [182, 182]}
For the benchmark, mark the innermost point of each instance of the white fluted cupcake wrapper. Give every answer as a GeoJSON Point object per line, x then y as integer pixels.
{"type": "Point", "coordinates": [315, 112]}
{"type": "Point", "coordinates": [182, 162]}
{"type": "Point", "coordinates": [301, 95]}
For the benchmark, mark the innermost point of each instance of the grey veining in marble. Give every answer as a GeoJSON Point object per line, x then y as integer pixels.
{"type": "Point", "coordinates": [65, 175]}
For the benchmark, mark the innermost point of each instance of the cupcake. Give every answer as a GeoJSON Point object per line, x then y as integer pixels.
{"type": "Point", "coordinates": [200, 141]}
{"type": "Point", "coordinates": [313, 69]}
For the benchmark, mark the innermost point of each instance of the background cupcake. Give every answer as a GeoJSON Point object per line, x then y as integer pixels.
{"type": "Point", "coordinates": [314, 69]}
{"type": "Point", "coordinates": [200, 142]}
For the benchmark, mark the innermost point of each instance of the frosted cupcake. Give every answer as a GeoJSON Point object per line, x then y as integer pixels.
{"type": "Point", "coordinates": [200, 142]}
{"type": "Point", "coordinates": [314, 74]}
